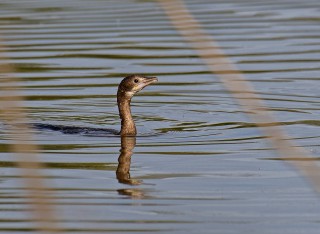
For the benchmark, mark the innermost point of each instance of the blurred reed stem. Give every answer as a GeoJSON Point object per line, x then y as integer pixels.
{"type": "Point", "coordinates": [219, 63]}
{"type": "Point", "coordinates": [14, 116]}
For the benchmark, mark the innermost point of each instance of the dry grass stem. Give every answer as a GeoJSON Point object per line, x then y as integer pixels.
{"type": "Point", "coordinates": [14, 116]}
{"type": "Point", "coordinates": [219, 63]}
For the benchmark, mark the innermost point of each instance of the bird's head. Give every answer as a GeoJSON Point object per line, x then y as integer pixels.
{"type": "Point", "coordinates": [134, 83]}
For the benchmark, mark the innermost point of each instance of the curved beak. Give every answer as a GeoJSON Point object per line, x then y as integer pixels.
{"type": "Point", "coordinates": [149, 80]}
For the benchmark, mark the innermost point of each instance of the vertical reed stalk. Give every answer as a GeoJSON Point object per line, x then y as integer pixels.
{"type": "Point", "coordinates": [219, 63]}
{"type": "Point", "coordinates": [14, 116]}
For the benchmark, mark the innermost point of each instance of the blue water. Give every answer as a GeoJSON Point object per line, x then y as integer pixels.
{"type": "Point", "coordinates": [199, 164]}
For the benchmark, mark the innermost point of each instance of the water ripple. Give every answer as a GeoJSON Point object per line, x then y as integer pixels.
{"type": "Point", "coordinates": [199, 163]}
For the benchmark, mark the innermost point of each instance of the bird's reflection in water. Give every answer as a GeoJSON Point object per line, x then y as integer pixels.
{"type": "Point", "coordinates": [123, 170]}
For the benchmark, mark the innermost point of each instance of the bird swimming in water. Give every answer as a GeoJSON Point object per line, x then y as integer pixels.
{"type": "Point", "coordinates": [129, 86]}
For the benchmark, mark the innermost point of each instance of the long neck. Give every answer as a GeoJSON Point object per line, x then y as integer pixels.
{"type": "Point", "coordinates": [128, 128]}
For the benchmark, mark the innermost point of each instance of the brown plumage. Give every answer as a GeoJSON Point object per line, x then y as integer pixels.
{"type": "Point", "coordinates": [127, 88]}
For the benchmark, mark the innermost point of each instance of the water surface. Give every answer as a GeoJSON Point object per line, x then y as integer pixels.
{"type": "Point", "coordinates": [199, 165]}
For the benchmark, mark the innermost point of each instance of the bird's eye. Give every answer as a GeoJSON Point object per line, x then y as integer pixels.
{"type": "Point", "coordinates": [136, 80]}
